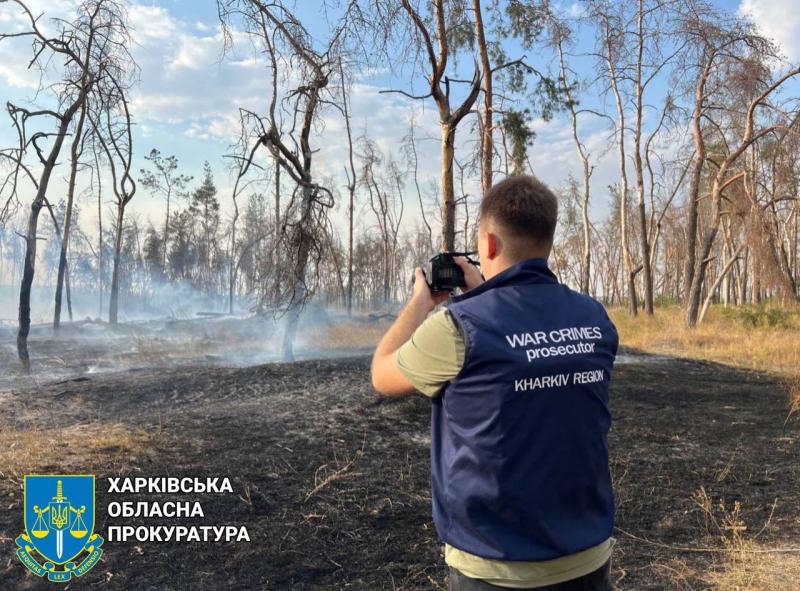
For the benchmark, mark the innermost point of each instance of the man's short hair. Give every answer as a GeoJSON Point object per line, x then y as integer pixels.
{"type": "Point", "coordinates": [524, 208]}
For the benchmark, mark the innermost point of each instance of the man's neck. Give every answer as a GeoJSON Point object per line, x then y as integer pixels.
{"type": "Point", "coordinates": [502, 263]}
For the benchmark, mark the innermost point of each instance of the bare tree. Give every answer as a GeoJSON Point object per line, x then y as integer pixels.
{"type": "Point", "coordinates": [651, 25]}
{"type": "Point", "coordinates": [434, 39]}
{"type": "Point", "coordinates": [114, 130]}
{"type": "Point", "coordinates": [241, 165]}
{"type": "Point", "coordinates": [412, 159]}
{"type": "Point", "coordinates": [286, 40]}
{"type": "Point", "coordinates": [350, 173]}
{"type": "Point", "coordinates": [386, 202]}
{"type": "Point", "coordinates": [611, 41]}
{"type": "Point", "coordinates": [88, 48]}
{"type": "Point", "coordinates": [561, 35]}
{"type": "Point", "coordinates": [75, 153]}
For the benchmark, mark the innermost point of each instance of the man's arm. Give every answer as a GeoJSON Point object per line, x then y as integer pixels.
{"type": "Point", "coordinates": [387, 379]}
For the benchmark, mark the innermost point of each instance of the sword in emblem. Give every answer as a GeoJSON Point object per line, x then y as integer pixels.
{"type": "Point", "coordinates": [60, 518]}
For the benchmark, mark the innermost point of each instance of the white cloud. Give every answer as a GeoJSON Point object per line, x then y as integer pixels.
{"type": "Point", "coordinates": [577, 10]}
{"type": "Point", "coordinates": [15, 76]}
{"type": "Point", "coordinates": [151, 22]}
{"type": "Point", "coordinates": [777, 19]}
{"type": "Point", "coordinates": [225, 129]}
{"type": "Point", "coordinates": [196, 53]}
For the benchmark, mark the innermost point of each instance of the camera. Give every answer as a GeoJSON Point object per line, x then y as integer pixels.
{"type": "Point", "coordinates": [442, 273]}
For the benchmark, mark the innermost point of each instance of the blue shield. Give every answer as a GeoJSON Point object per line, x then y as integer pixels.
{"type": "Point", "coordinates": [59, 514]}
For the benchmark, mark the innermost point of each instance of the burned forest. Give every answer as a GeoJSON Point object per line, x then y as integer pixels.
{"type": "Point", "coordinates": [212, 217]}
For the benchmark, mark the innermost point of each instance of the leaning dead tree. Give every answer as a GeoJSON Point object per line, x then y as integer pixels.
{"type": "Point", "coordinates": [83, 49]}
{"type": "Point", "coordinates": [288, 44]}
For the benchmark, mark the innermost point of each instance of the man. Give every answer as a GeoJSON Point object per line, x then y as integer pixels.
{"type": "Point", "coordinates": [518, 369]}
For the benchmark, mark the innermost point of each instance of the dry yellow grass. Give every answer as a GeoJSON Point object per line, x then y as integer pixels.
{"type": "Point", "coordinates": [351, 334]}
{"type": "Point", "coordinates": [753, 338]}
{"type": "Point", "coordinates": [78, 447]}
{"type": "Point", "coordinates": [747, 564]}
{"type": "Point", "coordinates": [756, 567]}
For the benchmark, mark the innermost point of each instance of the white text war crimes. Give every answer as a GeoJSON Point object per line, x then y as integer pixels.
{"type": "Point", "coordinates": [562, 341]}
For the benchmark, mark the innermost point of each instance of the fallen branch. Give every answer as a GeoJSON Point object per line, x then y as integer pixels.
{"type": "Point", "coordinates": [337, 475]}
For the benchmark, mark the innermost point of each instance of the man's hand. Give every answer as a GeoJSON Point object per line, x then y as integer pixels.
{"type": "Point", "coordinates": [423, 295]}
{"type": "Point", "coordinates": [472, 276]}
{"type": "Point", "coordinates": [386, 377]}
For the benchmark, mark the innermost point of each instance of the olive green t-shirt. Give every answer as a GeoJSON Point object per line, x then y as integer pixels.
{"type": "Point", "coordinates": [431, 358]}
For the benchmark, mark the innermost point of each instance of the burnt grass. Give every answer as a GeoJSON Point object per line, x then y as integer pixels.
{"type": "Point", "coordinates": [332, 481]}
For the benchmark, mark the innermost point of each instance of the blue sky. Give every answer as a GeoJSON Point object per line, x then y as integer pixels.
{"type": "Point", "coordinates": [186, 102]}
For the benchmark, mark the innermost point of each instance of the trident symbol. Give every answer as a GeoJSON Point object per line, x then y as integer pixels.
{"type": "Point", "coordinates": [60, 517]}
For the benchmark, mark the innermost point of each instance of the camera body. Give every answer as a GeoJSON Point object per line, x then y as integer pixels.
{"type": "Point", "coordinates": [442, 273]}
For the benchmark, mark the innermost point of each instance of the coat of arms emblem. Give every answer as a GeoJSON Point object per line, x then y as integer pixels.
{"type": "Point", "coordinates": [59, 526]}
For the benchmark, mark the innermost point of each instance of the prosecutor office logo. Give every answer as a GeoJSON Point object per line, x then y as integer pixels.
{"type": "Point", "coordinates": [59, 524]}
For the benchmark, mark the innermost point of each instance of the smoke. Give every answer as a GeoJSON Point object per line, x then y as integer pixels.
{"type": "Point", "coordinates": [164, 300]}
{"type": "Point", "coordinates": [171, 325]}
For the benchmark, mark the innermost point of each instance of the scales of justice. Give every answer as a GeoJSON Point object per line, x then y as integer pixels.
{"type": "Point", "coordinates": [61, 515]}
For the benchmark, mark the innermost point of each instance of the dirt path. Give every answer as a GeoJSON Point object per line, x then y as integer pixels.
{"type": "Point", "coordinates": [332, 482]}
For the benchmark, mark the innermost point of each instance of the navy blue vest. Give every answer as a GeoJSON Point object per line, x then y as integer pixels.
{"type": "Point", "coordinates": [519, 452]}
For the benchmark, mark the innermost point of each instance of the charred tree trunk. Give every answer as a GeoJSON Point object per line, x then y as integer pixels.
{"type": "Point", "coordinates": [31, 237]}
{"type": "Point", "coordinates": [276, 243]}
{"type": "Point", "coordinates": [232, 253]}
{"type": "Point", "coordinates": [350, 216]}
{"type": "Point", "coordinates": [304, 239]}
{"type": "Point", "coordinates": [75, 154]}
{"type": "Point", "coordinates": [351, 189]}
{"type": "Point", "coordinates": [100, 258]}
{"type": "Point", "coordinates": [113, 302]}
{"type": "Point", "coordinates": [639, 167]}
{"type": "Point", "coordinates": [27, 283]}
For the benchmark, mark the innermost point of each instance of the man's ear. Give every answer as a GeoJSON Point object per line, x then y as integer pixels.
{"type": "Point", "coordinates": [492, 243]}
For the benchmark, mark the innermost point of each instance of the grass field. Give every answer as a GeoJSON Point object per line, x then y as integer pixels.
{"type": "Point", "coordinates": [749, 337]}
